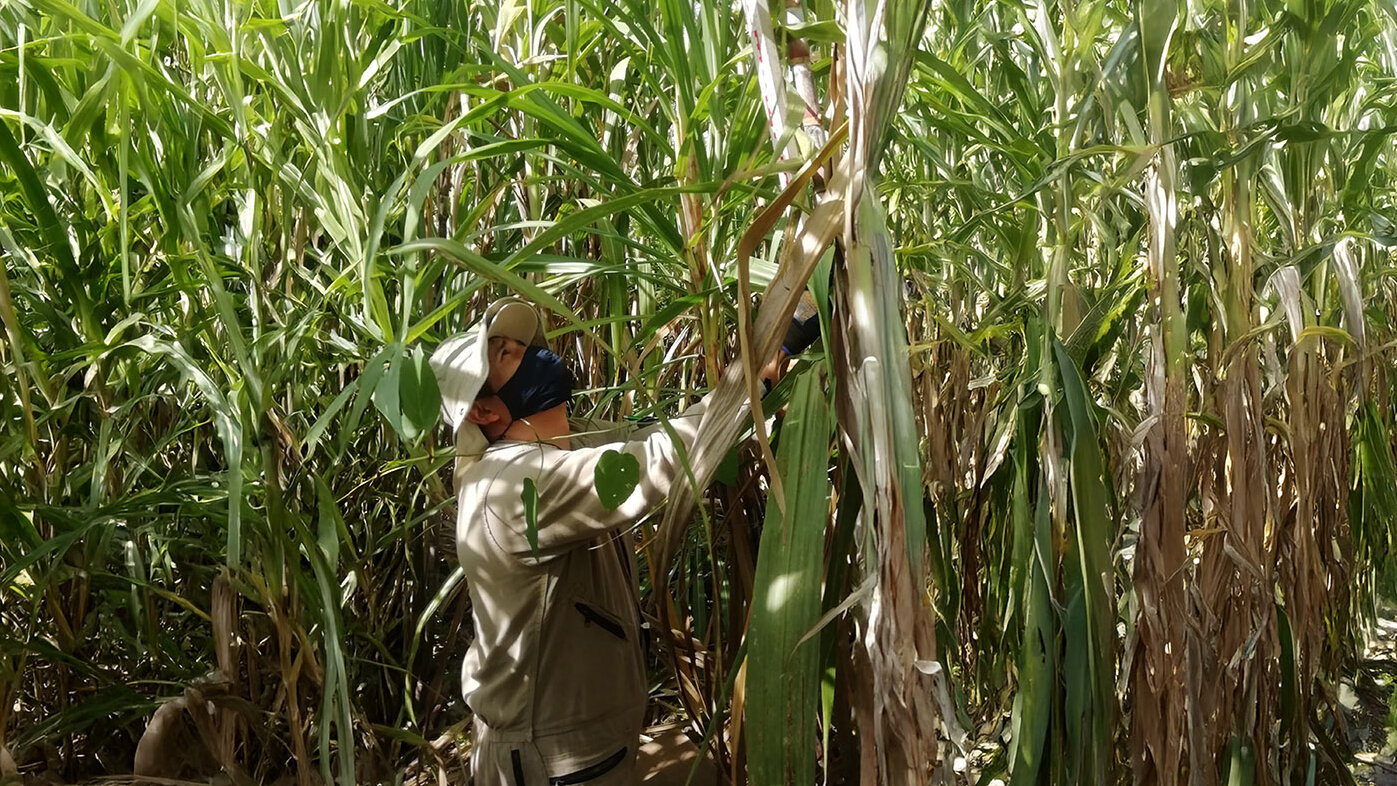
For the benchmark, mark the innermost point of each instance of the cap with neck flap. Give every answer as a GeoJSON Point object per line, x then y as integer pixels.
{"type": "Point", "coordinates": [461, 364]}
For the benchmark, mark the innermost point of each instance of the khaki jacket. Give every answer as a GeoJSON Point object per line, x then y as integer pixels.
{"type": "Point", "coordinates": [557, 661]}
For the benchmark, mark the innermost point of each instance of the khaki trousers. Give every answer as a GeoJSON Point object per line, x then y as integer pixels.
{"type": "Point", "coordinates": [497, 762]}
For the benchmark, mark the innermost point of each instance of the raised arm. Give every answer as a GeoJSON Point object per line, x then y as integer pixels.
{"type": "Point", "coordinates": [569, 510]}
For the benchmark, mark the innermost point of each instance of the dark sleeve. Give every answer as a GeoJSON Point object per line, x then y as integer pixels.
{"type": "Point", "coordinates": [804, 329]}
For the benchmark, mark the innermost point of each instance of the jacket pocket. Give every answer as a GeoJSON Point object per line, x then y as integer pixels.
{"type": "Point", "coordinates": [591, 773]}
{"type": "Point", "coordinates": [601, 619]}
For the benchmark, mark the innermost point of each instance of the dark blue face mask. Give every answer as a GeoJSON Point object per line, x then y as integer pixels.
{"type": "Point", "coordinates": [541, 382]}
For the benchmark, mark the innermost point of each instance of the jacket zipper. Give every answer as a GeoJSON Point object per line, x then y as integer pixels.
{"type": "Point", "coordinates": [605, 623]}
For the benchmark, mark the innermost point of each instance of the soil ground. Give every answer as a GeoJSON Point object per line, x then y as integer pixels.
{"type": "Point", "coordinates": [1372, 703]}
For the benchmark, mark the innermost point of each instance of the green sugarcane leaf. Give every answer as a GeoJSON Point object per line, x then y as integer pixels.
{"type": "Point", "coordinates": [1087, 579]}
{"type": "Point", "coordinates": [1289, 691]}
{"type": "Point", "coordinates": [16, 527]}
{"type": "Point", "coordinates": [825, 31]}
{"type": "Point", "coordinates": [1241, 767]}
{"type": "Point", "coordinates": [1304, 131]}
{"type": "Point", "coordinates": [328, 526]}
{"type": "Point", "coordinates": [616, 477]}
{"type": "Point", "coordinates": [1375, 464]}
{"type": "Point", "coordinates": [50, 228]}
{"type": "Point", "coordinates": [783, 674]}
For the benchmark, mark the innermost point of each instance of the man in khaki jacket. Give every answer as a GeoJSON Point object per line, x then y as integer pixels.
{"type": "Point", "coordinates": [556, 675]}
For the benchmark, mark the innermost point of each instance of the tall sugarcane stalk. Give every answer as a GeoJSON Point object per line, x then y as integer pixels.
{"type": "Point", "coordinates": [1232, 608]}
{"type": "Point", "coordinates": [1064, 525]}
{"type": "Point", "coordinates": [897, 660]}
{"type": "Point", "coordinates": [1159, 683]}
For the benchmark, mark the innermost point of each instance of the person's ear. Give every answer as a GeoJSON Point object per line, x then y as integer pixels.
{"type": "Point", "coordinates": [481, 415]}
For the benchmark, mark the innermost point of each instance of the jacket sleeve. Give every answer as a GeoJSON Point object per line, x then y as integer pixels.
{"type": "Point", "coordinates": [569, 510]}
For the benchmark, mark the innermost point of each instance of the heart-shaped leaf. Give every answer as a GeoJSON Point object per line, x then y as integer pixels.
{"type": "Point", "coordinates": [386, 392]}
{"type": "Point", "coordinates": [418, 395]}
{"type": "Point", "coordinates": [727, 469]}
{"type": "Point", "coordinates": [616, 477]}
{"type": "Point", "coordinates": [406, 393]}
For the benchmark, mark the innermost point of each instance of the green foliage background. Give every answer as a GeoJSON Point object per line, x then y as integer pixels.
{"type": "Point", "coordinates": [233, 230]}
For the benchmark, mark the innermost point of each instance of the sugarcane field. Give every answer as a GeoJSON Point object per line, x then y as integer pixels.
{"type": "Point", "coordinates": [726, 393]}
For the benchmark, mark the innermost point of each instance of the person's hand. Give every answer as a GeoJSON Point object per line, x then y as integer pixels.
{"type": "Point", "coordinates": [803, 331]}
{"type": "Point", "coordinates": [774, 369]}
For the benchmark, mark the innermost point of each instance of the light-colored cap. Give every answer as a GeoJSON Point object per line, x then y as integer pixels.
{"type": "Point", "coordinates": [461, 365]}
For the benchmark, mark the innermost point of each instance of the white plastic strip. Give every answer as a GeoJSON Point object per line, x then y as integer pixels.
{"type": "Point", "coordinates": [770, 76]}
